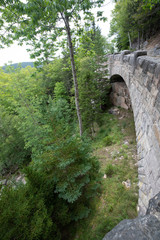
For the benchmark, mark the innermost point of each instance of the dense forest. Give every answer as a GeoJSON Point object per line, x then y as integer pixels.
{"type": "Point", "coordinates": [134, 22]}
{"type": "Point", "coordinates": [17, 65]}
{"type": "Point", "coordinates": [49, 114]}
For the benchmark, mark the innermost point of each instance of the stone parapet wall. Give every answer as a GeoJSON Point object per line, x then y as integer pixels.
{"type": "Point", "coordinates": [142, 77]}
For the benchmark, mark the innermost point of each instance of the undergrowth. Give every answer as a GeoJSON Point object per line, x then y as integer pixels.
{"type": "Point", "coordinates": [115, 146]}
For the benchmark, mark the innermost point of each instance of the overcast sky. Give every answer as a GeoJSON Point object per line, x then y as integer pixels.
{"type": "Point", "coordinates": [16, 54]}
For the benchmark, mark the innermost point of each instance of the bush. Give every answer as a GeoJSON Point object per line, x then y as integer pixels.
{"type": "Point", "coordinates": [24, 215]}
{"type": "Point", "coordinates": [110, 170]}
{"type": "Point", "coordinates": [13, 155]}
{"type": "Point", "coordinates": [107, 141]}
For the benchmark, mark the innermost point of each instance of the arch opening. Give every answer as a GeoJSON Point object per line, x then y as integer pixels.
{"type": "Point", "coordinates": [119, 95]}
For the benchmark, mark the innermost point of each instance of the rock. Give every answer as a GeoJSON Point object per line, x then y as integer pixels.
{"type": "Point", "coordinates": [154, 51]}
{"type": "Point", "coordinates": [140, 228]}
{"type": "Point", "coordinates": [154, 206]}
{"type": "Point", "coordinates": [114, 111]}
{"type": "Point", "coordinates": [123, 105]}
{"type": "Point", "coordinates": [120, 95]}
{"type": "Point", "coordinates": [145, 44]}
{"type": "Point", "coordinates": [127, 183]}
{"type": "Point", "coordinates": [105, 176]}
{"type": "Point", "coordinates": [126, 143]}
{"type": "Point", "coordinates": [21, 178]}
{"type": "Point", "coordinates": [3, 182]}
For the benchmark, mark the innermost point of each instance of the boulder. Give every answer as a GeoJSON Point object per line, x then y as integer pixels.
{"type": "Point", "coordinates": [114, 111]}
{"type": "Point", "coordinates": [141, 228]}
{"type": "Point", "coordinates": [120, 95]}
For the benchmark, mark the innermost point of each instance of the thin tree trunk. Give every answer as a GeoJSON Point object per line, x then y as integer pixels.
{"type": "Point", "coordinates": [138, 40]}
{"type": "Point", "coordinates": [130, 43]}
{"type": "Point", "coordinates": [142, 40]}
{"type": "Point", "coordinates": [73, 73]}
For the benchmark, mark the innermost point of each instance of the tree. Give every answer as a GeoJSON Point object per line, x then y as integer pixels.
{"type": "Point", "coordinates": [24, 215]}
{"type": "Point", "coordinates": [150, 3]}
{"type": "Point", "coordinates": [17, 90]}
{"type": "Point", "coordinates": [37, 23]}
{"type": "Point", "coordinates": [59, 70]}
{"type": "Point", "coordinates": [134, 21]}
{"type": "Point", "coordinates": [123, 23]}
{"type": "Point", "coordinates": [61, 175]}
{"type": "Point", "coordinates": [60, 91]}
{"type": "Point", "coordinates": [12, 153]}
{"type": "Point", "coordinates": [91, 72]}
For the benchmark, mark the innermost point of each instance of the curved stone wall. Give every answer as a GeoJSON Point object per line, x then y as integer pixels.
{"type": "Point", "coordinates": [142, 77]}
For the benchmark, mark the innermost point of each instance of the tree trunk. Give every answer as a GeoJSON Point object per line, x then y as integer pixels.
{"type": "Point", "coordinates": [138, 40]}
{"type": "Point", "coordinates": [142, 41]}
{"type": "Point", "coordinates": [66, 21]}
{"type": "Point", "coordinates": [130, 43]}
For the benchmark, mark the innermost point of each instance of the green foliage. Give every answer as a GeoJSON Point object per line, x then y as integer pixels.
{"type": "Point", "coordinates": [62, 175]}
{"type": "Point", "coordinates": [133, 20]}
{"type": "Point", "coordinates": [24, 215]}
{"type": "Point", "coordinates": [39, 27]}
{"type": "Point", "coordinates": [115, 202]}
{"type": "Point", "coordinates": [149, 3]}
{"type": "Point", "coordinates": [16, 65]}
{"type": "Point", "coordinates": [57, 71]}
{"type": "Point", "coordinates": [64, 154]}
{"type": "Point", "coordinates": [107, 141]}
{"type": "Point", "coordinates": [41, 22]}
{"type": "Point", "coordinates": [16, 90]}
{"type": "Point", "coordinates": [92, 82]}
{"type": "Point", "coordinates": [12, 144]}
{"type": "Point", "coordinates": [110, 170]}
{"type": "Point", "coordinates": [59, 91]}
{"type": "Point", "coordinates": [89, 93]}
{"type": "Point", "coordinates": [110, 135]}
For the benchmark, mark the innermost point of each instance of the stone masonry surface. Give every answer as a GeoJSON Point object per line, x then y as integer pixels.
{"type": "Point", "coordinates": [120, 95]}
{"type": "Point", "coordinates": [141, 73]}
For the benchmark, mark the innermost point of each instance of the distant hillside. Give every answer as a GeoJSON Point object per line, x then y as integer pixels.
{"type": "Point", "coordinates": [23, 65]}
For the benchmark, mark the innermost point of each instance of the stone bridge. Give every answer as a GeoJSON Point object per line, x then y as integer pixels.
{"type": "Point", "coordinates": [141, 74]}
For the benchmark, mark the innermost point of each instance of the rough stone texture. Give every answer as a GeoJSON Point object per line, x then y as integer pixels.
{"type": "Point", "coordinates": [120, 95]}
{"type": "Point", "coordinates": [141, 228]}
{"type": "Point", "coordinates": [141, 73]}
{"type": "Point", "coordinates": [154, 51]}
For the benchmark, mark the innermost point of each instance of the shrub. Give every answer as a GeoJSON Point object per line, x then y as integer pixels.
{"type": "Point", "coordinates": [12, 152]}
{"type": "Point", "coordinates": [24, 216]}
{"type": "Point", "coordinates": [107, 141]}
{"type": "Point", "coordinates": [110, 170]}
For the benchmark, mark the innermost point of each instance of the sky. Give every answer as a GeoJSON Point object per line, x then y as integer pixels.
{"type": "Point", "coordinates": [17, 54]}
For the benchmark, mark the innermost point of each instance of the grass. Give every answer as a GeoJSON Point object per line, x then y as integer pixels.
{"type": "Point", "coordinates": [115, 146]}
{"type": "Point", "coordinates": [115, 129]}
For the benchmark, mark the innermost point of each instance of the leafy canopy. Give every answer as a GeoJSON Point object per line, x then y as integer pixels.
{"type": "Point", "coordinates": [41, 22]}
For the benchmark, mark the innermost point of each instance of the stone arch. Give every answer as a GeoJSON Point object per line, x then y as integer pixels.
{"type": "Point", "coordinates": [116, 78]}
{"type": "Point", "coordinates": [142, 77]}
{"type": "Point", "coordinates": [119, 95]}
